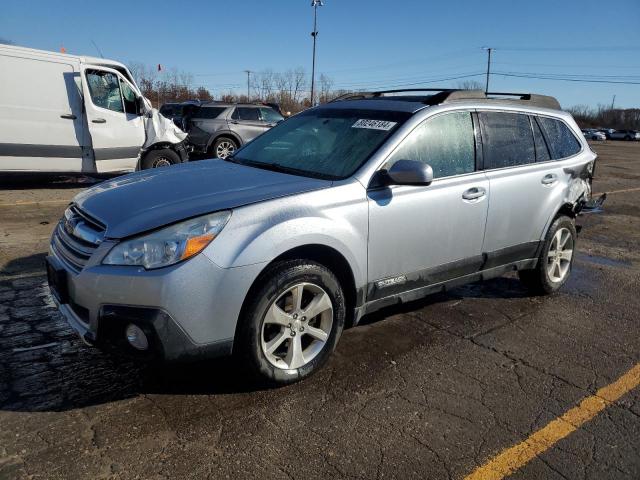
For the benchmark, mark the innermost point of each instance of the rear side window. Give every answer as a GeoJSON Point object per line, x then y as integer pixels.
{"type": "Point", "coordinates": [562, 142]}
{"type": "Point", "coordinates": [542, 152]}
{"type": "Point", "coordinates": [445, 142]}
{"type": "Point", "coordinates": [507, 139]}
{"type": "Point", "coordinates": [247, 113]}
{"type": "Point", "coordinates": [209, 113]}
{"type": "Point", "coordinates": [167, 110]}
{"type": "Point", "coordinates": [269, 115]}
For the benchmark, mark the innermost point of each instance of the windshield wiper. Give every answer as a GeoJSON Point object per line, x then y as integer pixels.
{"type": "Point", "coordinates": [276, 167]}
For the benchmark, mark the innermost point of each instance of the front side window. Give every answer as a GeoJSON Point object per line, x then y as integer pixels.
{"type": "Point", "coordinates": [507, 139]}
{"type": "Point", "coordinates": [104, 89]}
{"type": "Point", "coordinates": [327, 143]}
{"type": "Point", "coordinates": [269, 115]}
{"type": "Point", "coordinates": [445, 142]}
{"type": "Point", "coordinates": [562, 142]}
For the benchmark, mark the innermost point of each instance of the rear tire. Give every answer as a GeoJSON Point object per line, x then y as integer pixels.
{"type": "Point", "coordinates": [276, 342]}
{"type": "Point", "coordinates": [223, 147]}
{"type": "Point", "coordinates": [159, 158]}
{"type": "Point", "coordinates": [555, 260]}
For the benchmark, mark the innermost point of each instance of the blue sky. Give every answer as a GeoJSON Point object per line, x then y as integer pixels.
{"type": "Point", "coordinates": [361, 45]}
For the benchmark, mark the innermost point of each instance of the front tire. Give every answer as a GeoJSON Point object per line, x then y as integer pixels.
{"type": "Point", "coordinates": [555, 260]}
{"type": "Point", "coordinates": [292, 322]}
{"type": "Point", "coordinates": [159, 158]}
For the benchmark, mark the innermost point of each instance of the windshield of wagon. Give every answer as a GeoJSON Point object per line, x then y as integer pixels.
{"type": "Point", "coordinates": [327, 143]}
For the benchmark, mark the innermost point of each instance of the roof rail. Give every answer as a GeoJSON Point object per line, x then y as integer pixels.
{"type": "Point", "coordinates": [445, 95]}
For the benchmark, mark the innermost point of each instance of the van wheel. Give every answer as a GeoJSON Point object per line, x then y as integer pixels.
{"type": "Point", "coordinates": [292, 322]}
{"type": "Point", "coordinates": [159, 158]}
{"type": "Point", "coordinates": [556, 258]}
{"type": "Point", "coordinates": [223, 147]}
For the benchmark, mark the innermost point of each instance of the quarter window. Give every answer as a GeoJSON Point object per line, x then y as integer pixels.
{"type": "Point", "coordinates": [104, 89]}
{"type": "Point", "coordinates": [507, 139]}
{"type": "Point", "coordinates": [445, 142]}
{"type": "Point", "coordinates": [271, 116]}
{"type": "Point", "coordinates": [562, 142]}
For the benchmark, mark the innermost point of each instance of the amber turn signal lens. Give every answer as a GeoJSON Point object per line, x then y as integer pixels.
{"type": "Point", "coordinates": [196, 245]}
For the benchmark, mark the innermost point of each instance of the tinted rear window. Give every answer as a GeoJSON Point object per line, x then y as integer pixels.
{"type": "Point", "coordinates": [247, 113]}
{"type": "Point", "coordinates": [562, 142]}
{"type": "Point", "coordinates": [209, 112]}
{"type": "Point", "coordinates": [507, 139]}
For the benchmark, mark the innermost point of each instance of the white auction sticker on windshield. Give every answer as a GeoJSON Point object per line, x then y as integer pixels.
{"type": "Point", "coordinates": [373, 124]}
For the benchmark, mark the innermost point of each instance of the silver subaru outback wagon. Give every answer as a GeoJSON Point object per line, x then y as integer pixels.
{"type": "Point", "coordinates": [368, 201]}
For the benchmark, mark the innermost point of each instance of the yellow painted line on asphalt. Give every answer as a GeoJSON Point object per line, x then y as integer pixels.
{"type": "Point", "coordinates": [513, 458]}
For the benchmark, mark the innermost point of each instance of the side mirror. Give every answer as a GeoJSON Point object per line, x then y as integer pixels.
{"type": "Point", "coordinates": [140, 107]}
{"type": "Point", "coordinates": [410, 172]}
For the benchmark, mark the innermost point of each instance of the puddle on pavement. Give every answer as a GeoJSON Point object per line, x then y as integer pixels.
{"type": "Point", "coordinates": [609, 262]}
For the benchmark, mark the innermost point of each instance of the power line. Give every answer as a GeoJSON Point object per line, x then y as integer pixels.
{"type": "Point", "coordinates": [580, 80]}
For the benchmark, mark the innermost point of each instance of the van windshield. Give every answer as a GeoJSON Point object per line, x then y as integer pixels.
{"type": "Point", "coordinates": [329, 143]}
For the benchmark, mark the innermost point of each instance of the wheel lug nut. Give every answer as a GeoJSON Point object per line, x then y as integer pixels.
{"type": "Point", "coordinates": [304, 319]}
{"type": "Point", "coordinates": [295, 315]}
{"type": "Point", "coordinates": [301, 329]}
{"type": "Point", "coordinates": [289, 326]}
{"type": "Point", "coordinates": [293, 333]}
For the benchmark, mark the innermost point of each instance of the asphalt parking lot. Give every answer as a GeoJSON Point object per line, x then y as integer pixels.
{"type": "Point", "coordinates": [486, 380]}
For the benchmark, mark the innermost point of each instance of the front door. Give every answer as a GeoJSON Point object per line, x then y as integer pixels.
{"type": "Point", "coordinates": [424, 235]}
{"type": "Point", "coordinates": [117, 130]}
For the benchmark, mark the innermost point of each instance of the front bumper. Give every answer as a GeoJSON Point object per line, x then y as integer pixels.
{"type": "Point", "coordinates": [188, 310]}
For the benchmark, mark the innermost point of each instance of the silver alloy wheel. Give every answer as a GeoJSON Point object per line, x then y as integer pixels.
{"type": "Point", "coordinates": [224, 149]}
{"type": "Point", "coordinates": [560, 254]}
{"type": "Point", "coordinates": [161, 162]}
{"type": "Point", "coordinates": [297, 326]}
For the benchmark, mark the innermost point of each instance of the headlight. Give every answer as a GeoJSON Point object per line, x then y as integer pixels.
{"type": "Point", "coordinates": [169, 245]}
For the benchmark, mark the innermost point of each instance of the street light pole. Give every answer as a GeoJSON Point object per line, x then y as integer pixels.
{"type": "Point", "coordinates": [248, 72]}
{"type": "Point", "coordinates": [488, 49]}
{"type": "Point", "coordinates": [315, 4]}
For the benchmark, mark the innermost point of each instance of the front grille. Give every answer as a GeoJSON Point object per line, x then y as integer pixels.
{"type": "Point", "coordinates": [76, 237]}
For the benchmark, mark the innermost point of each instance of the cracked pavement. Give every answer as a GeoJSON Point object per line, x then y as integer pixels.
{"type": "Point", "coordinates": [431, 389]}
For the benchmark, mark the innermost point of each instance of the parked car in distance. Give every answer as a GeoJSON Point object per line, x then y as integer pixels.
{"type": "Point", "coordinates": [178, 112]}
{"type": "Point", "coordinates": [625, 135]}
{"type": "Point", "coordinates": [74, 114]}
{"type": "Point", "coordinates": [219, 129]}
{"type": "Point", "coordinates": [365, 202]}
{"type": "Point", "coordinates": [593, 134]}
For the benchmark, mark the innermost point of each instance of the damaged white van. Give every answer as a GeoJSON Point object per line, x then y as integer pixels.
{"type": "Point", "coordinates": [71, 114]}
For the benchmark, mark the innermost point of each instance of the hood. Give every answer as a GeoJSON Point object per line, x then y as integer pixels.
{"type": "Point", "coordinates": [146, 200]}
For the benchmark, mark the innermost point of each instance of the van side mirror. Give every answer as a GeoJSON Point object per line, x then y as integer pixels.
{"type": "Point", "coordinates": [140, 107]}
{"type": "Point", "coordinates": [410, 172]}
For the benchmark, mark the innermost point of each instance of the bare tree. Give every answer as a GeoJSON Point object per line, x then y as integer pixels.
{"type": "Point", "coordinates": [6, 41]}
{"type": "Point", "coordinates": [470, 85]}
{"type": "Point", "coordinates": [325, 88]}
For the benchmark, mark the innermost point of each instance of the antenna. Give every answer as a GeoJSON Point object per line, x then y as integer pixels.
{"type": "Point", "coordinates": [97, 48]}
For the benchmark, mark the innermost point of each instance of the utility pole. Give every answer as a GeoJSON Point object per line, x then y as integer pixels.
{"type": "Point", "coordinates": [613, 102]}
{"type": "Point", "coordinates": [248, 72]}
{"type": "Point", "coordinates": [315, 4]}
{"type": "Point", "coordinates": [488, 49]}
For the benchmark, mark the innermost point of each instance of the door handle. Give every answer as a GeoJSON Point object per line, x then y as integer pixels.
{"type": "Point", "coordinates": [549, 179]}
{"type": "Point", "coordinates": [234, 122]}
{"type": "Point", "coordinates": [99, 120]}
{"type": "Point", "coordinates": [474, 193]}
{"type": "Point", "coordinates": [68, 116]}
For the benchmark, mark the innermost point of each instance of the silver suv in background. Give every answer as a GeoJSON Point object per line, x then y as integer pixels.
{"type": "Point", "coordinates": [368, 201]}
{"type": "Point", "coordinates": [219, 129]}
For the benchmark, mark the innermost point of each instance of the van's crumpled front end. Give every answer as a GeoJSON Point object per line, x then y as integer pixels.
{"type": "Point", "coordinates": [159, 129]}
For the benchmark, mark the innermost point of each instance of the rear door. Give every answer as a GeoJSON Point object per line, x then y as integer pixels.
{"type": "Point", "coordinates": [526, 185]}
{"type": "Point", "coordinates": [117, 131]}
{"type": "Point", "coordinates": [247, 123]}
{"type": "Point", "coordinates": [41, 117]}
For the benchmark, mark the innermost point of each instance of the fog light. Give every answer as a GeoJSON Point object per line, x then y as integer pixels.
{"type": "Point", "coordinates": [136, 337]}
